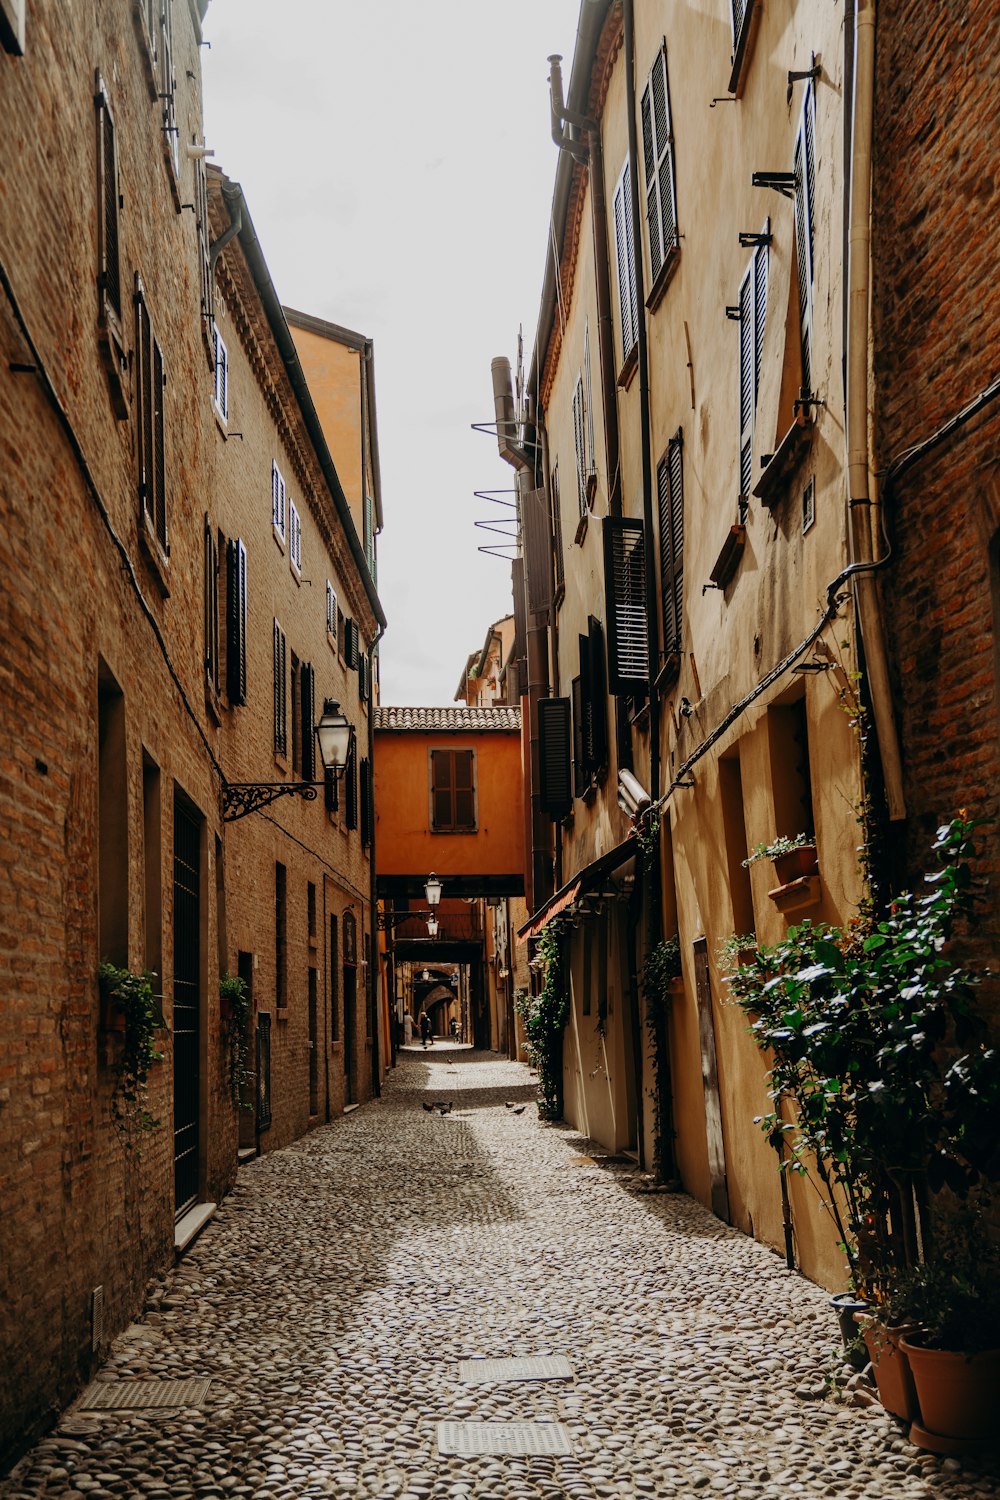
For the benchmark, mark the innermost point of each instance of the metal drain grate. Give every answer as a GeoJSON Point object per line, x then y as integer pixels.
{"type": "Point", "coordinates": [125, 1395]}
{"type": "Point", "coordinates": [503, 1437]}
{"type": "Point", "coordinates": [496, 1371]}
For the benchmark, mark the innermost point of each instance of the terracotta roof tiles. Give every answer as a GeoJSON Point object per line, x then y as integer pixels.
{"type": "Point", "coordinates": [461, 720]}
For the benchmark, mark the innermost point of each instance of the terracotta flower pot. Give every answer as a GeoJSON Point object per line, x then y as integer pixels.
{"type": "Point", "coordinates": [958, 1395]}
{"type": "Point", "coordinates": [890, 1367]}
{"type": "Point", "coordinates": [795, 864]}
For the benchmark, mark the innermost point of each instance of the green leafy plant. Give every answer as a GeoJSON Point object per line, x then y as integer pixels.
{"type": "Point", "coordinates": [545, 1016]}
{"type": "Point", "coordinates": [882, 1085]}
{"type": "Point", "coordinates": [235, 996]}
{"type": "Point", "coordinates": [779, 846]}
{"type": "Point", "coordinates": [736, 950]}
{"type": "Point", "coordinates": [647, 836]}
{"type": "Point", "coordinates": [661, 965]}
{"type": "Point", "coordinates": [131, 996]}
{"type": "Point", "coordinates": [952, 1300]}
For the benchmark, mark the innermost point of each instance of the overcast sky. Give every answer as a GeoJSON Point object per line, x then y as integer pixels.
{"type": "Point", "coordinates": [398, 166]}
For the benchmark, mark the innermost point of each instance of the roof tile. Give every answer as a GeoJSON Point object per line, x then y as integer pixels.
{"type": "Point", "coordinates": [459, 720]}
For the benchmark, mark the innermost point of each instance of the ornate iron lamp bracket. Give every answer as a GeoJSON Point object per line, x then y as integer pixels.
{"type": "Point", "coordinates": [241, 798]}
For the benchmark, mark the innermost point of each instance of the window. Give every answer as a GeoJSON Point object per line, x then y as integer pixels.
{"type": "Point", "coordinates": [112, 821]}
{"type": "Point", "coordinates": [311, 909]}
{"type": "Point", "coordinates": [580, 445]}
{"type": "Point", "coordinates": [804, 167]}
{"type": "Point", "coordinates": [294, 536]}
{"type": "Point", "coordinates": [555, 792]}
{"type": "Point", "coordinates": [280, 692]}
{"type": "Point", "coordinates": [149, 385]}
{"type": "Point", "coordinates": [12, 26]}
{"type": "Point", "coordinates": [753, 313]}
{"type": "Point", "coordinates": [146, 17]}
{"type": "Point", "coordinates": [809, 505]}
{"type": "Point", "coordinates": [560, 561]}
{"type": "Point", "coordinates": [590, 721]}
{"type": "Point", "coordinates": [625, 254]}
{"type": "Point", "coordinates": [625, 593]}
{"type": "Point", "coordinates": [221, 376]}
{"type": "Point", "coordinates": [742, 16]}
{"type": "Point", "coordinates": [168, 85]}
{"type": "Point", "coordinates": [333, 965]}
{"type": "Point", "coordinates": [205, 255]}
{"type": "Point", "coordinates": [108, 252]}
{"type": "Point", "coordinates": [236, 621]}
{"type": "Point", "coordinates": [369, 528]}
{"type": "Point", "coordinates": [331, 613]}
{"type": "Point", "coordinates": [277, 501]}
{"type": "Point", "coordinates": [453, 791]}
{"type": "Point", "coordinates": [211, 591]}
{"type": "Point", "coordinates": [658, 159]}
{"type": "Point", "coordinates": [670, 493]}
{"type": "Point", "coordinates": [280, 935]}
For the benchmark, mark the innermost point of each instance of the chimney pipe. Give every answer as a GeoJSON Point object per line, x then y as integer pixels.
{"type": "Point", "coordinates": [560, 114]}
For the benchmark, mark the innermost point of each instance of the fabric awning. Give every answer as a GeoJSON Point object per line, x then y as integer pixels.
{"type": "Point", "coordinates": [584, 880]}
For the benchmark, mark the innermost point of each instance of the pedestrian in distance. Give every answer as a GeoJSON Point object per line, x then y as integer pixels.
{"type": "Point", "coordinates": [425, 1028]}
{"type": "Point", "coordinates": [407, 1029]}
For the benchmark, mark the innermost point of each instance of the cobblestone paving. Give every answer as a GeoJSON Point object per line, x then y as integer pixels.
{"type": "Point", "coordinates": [337, 1289]}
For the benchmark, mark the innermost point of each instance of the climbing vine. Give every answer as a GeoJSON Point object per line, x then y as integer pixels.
{"type": "Point", "coordinates": [544, 1016]}
{"type": "Point", "coordinates": [235, 997]}
{"type": "Point", "coordinates": [136, 1015]}
{"type": "Point", "coordinates": [662, 964]}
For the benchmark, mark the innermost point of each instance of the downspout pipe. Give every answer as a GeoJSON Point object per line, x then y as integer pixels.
{"type": "Point", "coordinates": [861, 521]}
{"type": "Point", "coordinates": [594, 158]}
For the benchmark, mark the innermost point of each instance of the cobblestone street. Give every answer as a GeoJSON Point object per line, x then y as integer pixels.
{"type": "Point", "coordinates": [335, 1293]}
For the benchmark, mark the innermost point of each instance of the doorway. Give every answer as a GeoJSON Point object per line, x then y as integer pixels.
{"type": "Point", "coordinates": [248, 1092]}
{"type": "Point", "coordinates": [187, 1003]}
{"type": "Point", "coordinates": [350, 1006]}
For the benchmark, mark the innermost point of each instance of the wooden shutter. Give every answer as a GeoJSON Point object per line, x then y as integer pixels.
{"type": "Point", "coordinates": [204, 242]}
{"type": "Point", "coordinates": [658, 159]}
{"type": "Point", "coordinates": [442, 792]}
{"type": "Point", "coordinates": [277, 500]}
{"type": "Point", "coordinates": [143, 405]}
{"type": "Point", "coordinates": [351, 786]}
{"type": "Point", "coordinates": [746, 381]}
{"type": "Point", "coordinates": [595, 705]}
{"type": "Point", "coordinates": [330, 798]}
{"type": "Point", "coordinates": [280, 692]}
{"type": "Point", "coordinates": [670, 494]}
{"type": "Point", "coordinates": [805, 186]}
{"type": "Point", "coordinates": [366, 835]}
{"type": "Point", "coordinates": [307, 694]}
{"type": "Point", "coordinates": [581, 776]}
{"type": "Point", "coordinates": [557, 529]}
{"type": "Point", "coordinates": [294, 535]}
{"type": "Point", "coordinates": [625, 592]}
{"type": "Point", "coordinates": [331, 611]}
{"type": "Point", "coordinates": [236, 621]}
{"type": "Point", "coordinates": [580, 445]}
{"type": "Point", "coordinates": [211, 593]}
{"type": "Point", "coordinates": [351, 644]}
{"type": "Point", "coordinates": [465, 791]}
{"type": "Point", "coordinates": [221, 359]}
{"type": "Point", "coordinates": [520, 625]}
{"type": "Point", "coordinates": [167, 85]}
{"type": "Point", "coordinates": [537, 547]}
{"type": "Point", "coordinates": [159, 448]}
{"type": "Point", "coordinates": [109, 263]}
{"type": "Point", "coordinates": [589, 403]}
{"type": "Point", "coordinates": [556, 794]}
{"type": "Point", "coordinates": [625, 255]}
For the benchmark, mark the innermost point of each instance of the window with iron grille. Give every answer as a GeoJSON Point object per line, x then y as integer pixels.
{"type": "Point", "coordinates": [236, 621]}
{"type": "Point", "coordinates": [658, 161]}
{"type": "Point", "coordinates": [280, 691]}
{"type": "Point", "coordinates": [221, 356]}
{"type": "Point", "coordinates": [280, 935]}
{"type": "Point", "coordinates": [277, 500]}
{"type": "Point", "coordinates": [628, 306]}
{"type": "Point", "coordinates": [804, 166]}
{"type": "Point", "coordinates": [211, 592]}
{"type": "Point", "coordinates": [150, 446]}
{"type": "Point", "coordinates": [741, 14]}
{"type": "Point", "coordinates": [670, 495]}
{"type": "Point", "coordinates": [580, 445]}
{"type": "Point", "coordinates": [555, 790]}
{"type": "Point", "coordinates": [294, 535]}
{"type": "Point", "coordinates": [109, 283]}
{"type": "Point", "coordinates": [753, 315]}
{"type": "Point", "coordinates": [625, 595]}
{"type": "Point", "coordinates": [453, 791]}
{"type": "Point", "coordinates": [331, 612]}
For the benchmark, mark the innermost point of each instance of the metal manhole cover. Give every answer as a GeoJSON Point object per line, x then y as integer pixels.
{"type": "Point", "coordinates": [124, 1395]}
{"type": "Point", "coordinates": [494, 1371]}
{"type": "Point", "coordinates": [503, 1437]}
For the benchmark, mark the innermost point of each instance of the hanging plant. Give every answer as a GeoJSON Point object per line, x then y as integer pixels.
{"type": "Point", "coordinates": [544, 1016]}
{"type": "Point", "coordinates": [234, 1002]}
{"type": "Point", "coordinates": [647, 835]}
{"type": "Point", "coordinates": [662, 965]}
{"type": "Point", "coordinates": [136, 1008]}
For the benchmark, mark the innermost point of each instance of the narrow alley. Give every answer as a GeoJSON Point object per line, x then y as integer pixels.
{"type": "Point", "coordinates": [330, 1305]}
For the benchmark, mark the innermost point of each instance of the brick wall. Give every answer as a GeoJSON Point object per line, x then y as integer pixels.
{"type": "Point", "coordinates": [937, 306]}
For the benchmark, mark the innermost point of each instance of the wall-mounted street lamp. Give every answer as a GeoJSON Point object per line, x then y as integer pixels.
{"type": "Point", "coordinates": [432, 926]}
{"type": "Point", "coordinates": [432, 889]}
{"type": "Point", "coordinates": [334, 734]}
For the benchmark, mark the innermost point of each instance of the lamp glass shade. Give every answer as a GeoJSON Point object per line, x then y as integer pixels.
{"type": "Point", "coordinates": [432, 890]}
{"type": "Point", "coordinates": [432, 926]}
{"type": "Point", "coordinates": [334, 734]}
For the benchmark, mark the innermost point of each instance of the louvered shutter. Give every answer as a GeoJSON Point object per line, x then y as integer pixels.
{"type": "Point", "coordinates": [277, 500]}
{"type": "Point", "coordinates": [740, 9]}
{"type": "Point", "coordinates": [351, 786]}
{"type": "Point", "coordinates": [596, 707]}
{"type": "Point", "coordinates": [159, 448]}
{"type": "Point", "coordinates": [465, 793]}
{"type": "Point", "coordinates": [556, 794]}
{"type": "Point", "coordinates": [236, 621]}
{"type": "Point", "coordinates": [520, 624]}
{"type": "Point", "coordinates": [625, 255]}
{"type": "Point", "coordinates": [330, 798]}
{"type": "Point", "coordinates": [625, 592]}
{"type": "Point", "coordinates": [442, 792]}
{"type": "Point", "coordinates": [557, 529]}
{"type": "Point", "coordinates": [366, 836]}
{"type": "Point", "coordinates": [307, 680]}
{"type": "Point", "coordinates": [204, 241]}
{"type": "Point", "coordinates": [580, 446]}
{"type": "Point", "coordinates": [581, 778]}
{"type": "Point", "coordinates": [537, 546]}
{"type": "Point", "coordinates": [221, 374]}
{"type": "Point", "coordinates": [280, 692]}
{"type": "Point", "coordinates": [109, 268]}
{"type": "Point", "coordinates": [351, 644]}
{"type": "Point", "coordinates": [759, 314]}
{"type": "Point", "coordinates": [670, 494]}
{"type": "Point", "coordinates": [589, 404]}
{"type": "Point", "coordinates": [805, 185]}
{"type": "Point", "coordinates": [331, 610]}
{"type": "Point", "coordinates": [167, 85]}
{"type": "Point", "coordinates": [143, 405]}
{"type": "Point", "coordinates": [658, 160]}
{"type": "Point", "coordinates": [746, 382]}
{"type": "Point", "coordinates": [211, 593]}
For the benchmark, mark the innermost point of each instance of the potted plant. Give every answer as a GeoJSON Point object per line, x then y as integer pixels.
{"type": "Point", "coordinates": [135, 1013]}
{"type": "Point", "coordinates": [883, 1336]}
{"type": "Point", "coordinates": [737, 951]}
{"type": "Point", "coordinates": [792, 857]}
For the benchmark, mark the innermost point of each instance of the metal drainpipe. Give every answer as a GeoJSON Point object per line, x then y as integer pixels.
{"type": "Point", "coordinates": [543, 437]}
{"type": "Point", "coordinates": [373, 963]}
{"type": "Point", "coordinates": [538, 688]}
